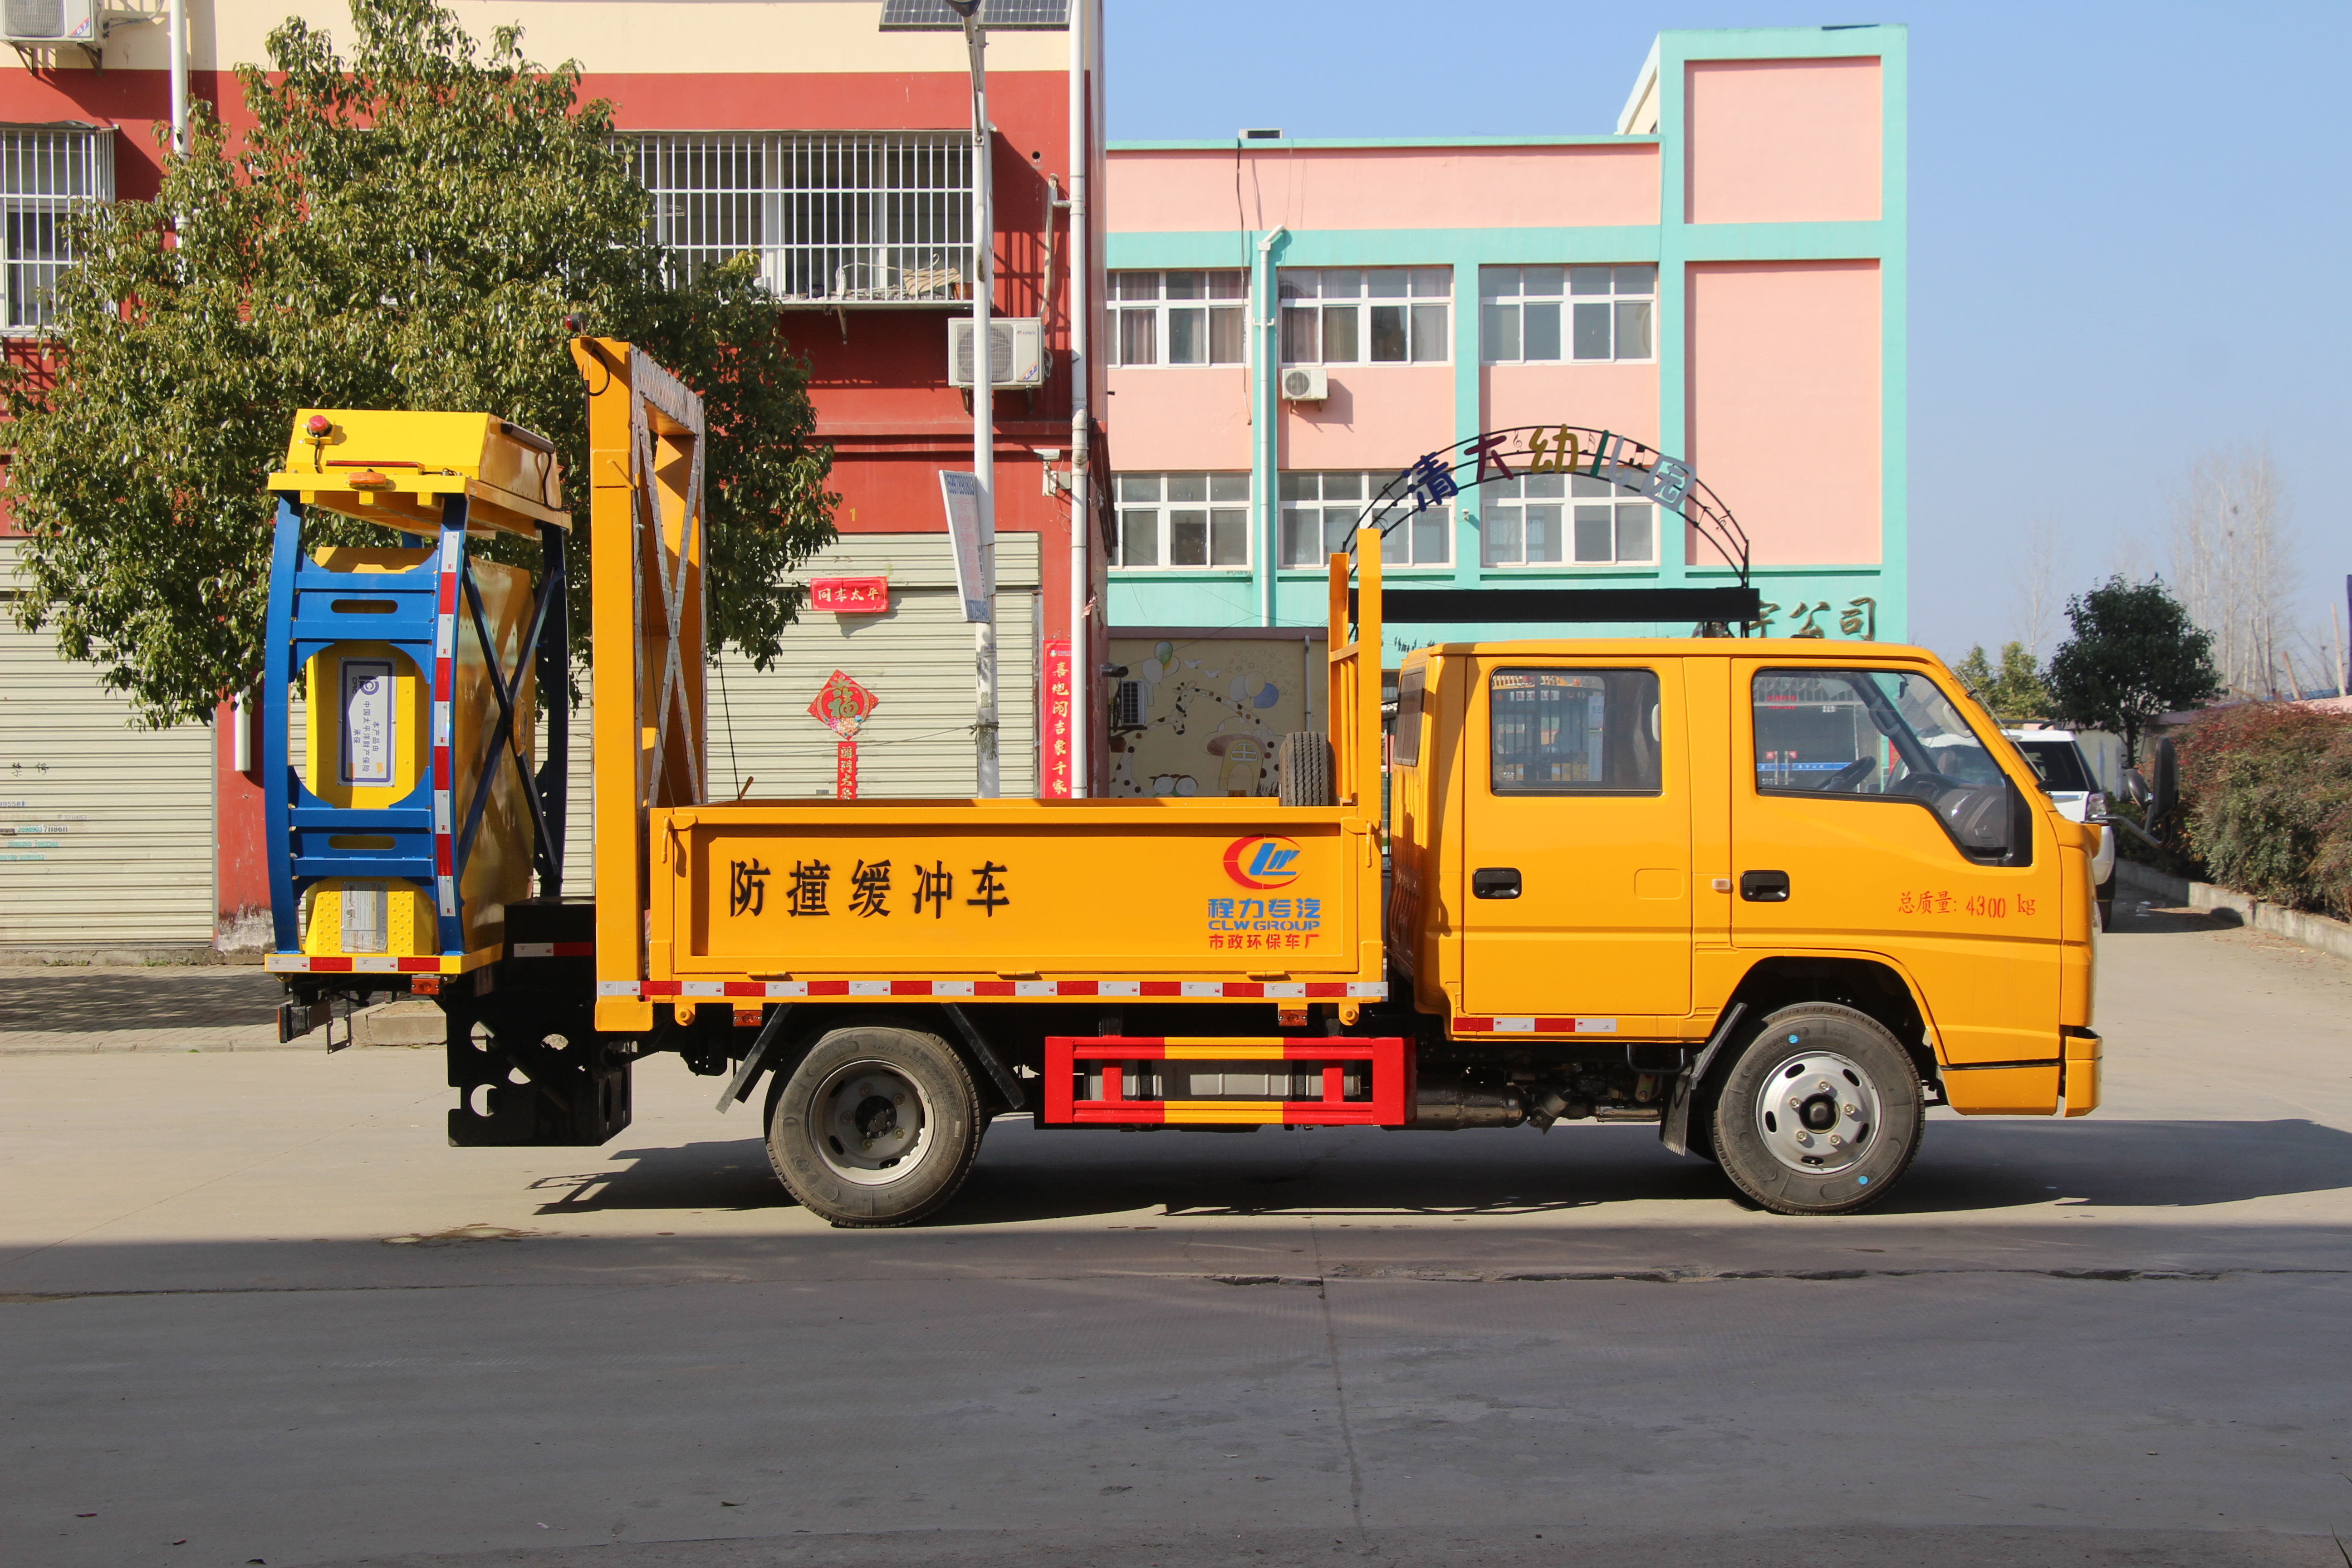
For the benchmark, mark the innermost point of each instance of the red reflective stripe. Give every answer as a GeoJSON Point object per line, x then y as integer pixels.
{"type": "Point", "coordinates": [331, 966]}
{"type": "Point", "coordinates": [442, 854]}
{"type": "Point", "coordinates": [911, 988]}
{"type": "Point", "coordinates": [746, 988]}
{"type": "Point", "coordinates": [1079, 988]}
{"type": "Point", "coordinates": [658, 988]}
{"type": "Point", "coordinates": [829, 988]}
{"type": "Point", "coordinates": [1326, 988]}
{"type": "Point", "coordinates": [992, 988]}
{"type": "Point", "coordinates": [1465, 1025]}
{"type": "Point", "coordinates": [1162, 988]}
{"type": "Point", "coordinates": [1244, 988]}
{"type": "Point", "coordinates": [420, 966]}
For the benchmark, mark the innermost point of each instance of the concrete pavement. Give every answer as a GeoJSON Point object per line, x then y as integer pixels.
{"type": "Point", "coordinates": [259, 1308]}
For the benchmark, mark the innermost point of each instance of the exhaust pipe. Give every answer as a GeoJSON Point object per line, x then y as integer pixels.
{"type": "Point", "coordinates": [1448, 1102]}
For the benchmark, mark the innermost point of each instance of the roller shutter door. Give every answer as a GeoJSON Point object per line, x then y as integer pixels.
{"type": "Point", "coordinates": [106, 830]}
{"type": "Point", "coordinates": [918, 660]}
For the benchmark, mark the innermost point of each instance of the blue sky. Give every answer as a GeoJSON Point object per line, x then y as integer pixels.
{"type": "Point", "coordinates": [2129, 232]}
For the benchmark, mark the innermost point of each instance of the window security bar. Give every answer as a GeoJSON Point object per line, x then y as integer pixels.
{"type": "Point", "coordinates": [836, 218]}
{"type": "Point", "coordinates": [45, 171]}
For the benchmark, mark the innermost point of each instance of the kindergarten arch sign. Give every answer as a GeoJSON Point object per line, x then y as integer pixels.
{"type": "Point", "coordinates": [1577, 450]}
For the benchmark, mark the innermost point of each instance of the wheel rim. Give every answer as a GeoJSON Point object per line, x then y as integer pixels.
{"type": "Point", "coordinates": [873, 1123]}
{"type": "Point", "coordinates": [1818, 1112]}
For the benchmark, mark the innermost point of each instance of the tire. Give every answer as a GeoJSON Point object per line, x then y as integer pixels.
{"type": "Point", "coordinates": [1303, 770]}
{"type": "Point", "coordinates": [1779, 1155]}
{"type": "Point", "coordinates": [876, 1126]}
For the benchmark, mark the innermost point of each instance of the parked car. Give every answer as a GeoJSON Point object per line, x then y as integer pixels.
{"type": "Point", "coordinates": [2068, 761]}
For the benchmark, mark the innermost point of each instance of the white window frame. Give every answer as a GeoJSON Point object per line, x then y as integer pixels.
{"type": "Point", "coordinates": [837, 217]}
{"type": "Point", "coordinates": [1312, 297]}
{"type": "Point", "coordinates": [1619, 298]}
{"type": "Point", "coordinates": [1144, 308]}
{"type": "Point", "coordinates": [45, 171]}
{"type": "Point", "coordinates": [1411, 530]}
{"type": "Point", "coordinates": [1566, 501]}
{"type": "Point", "coordinates": [1222, 504]}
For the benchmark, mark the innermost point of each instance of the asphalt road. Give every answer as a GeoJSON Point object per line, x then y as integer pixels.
{"type": "Point", "coordinates": [253, 1308]}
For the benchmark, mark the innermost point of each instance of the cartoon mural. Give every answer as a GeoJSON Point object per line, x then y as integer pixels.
{"type": "Point", "coordinates": [1212, 712]}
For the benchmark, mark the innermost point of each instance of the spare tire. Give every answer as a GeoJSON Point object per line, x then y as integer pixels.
{"type": "Point", "coordinates": [1302, 769]}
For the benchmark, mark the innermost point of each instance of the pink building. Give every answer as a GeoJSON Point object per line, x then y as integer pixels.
{"type": "Point", "coordinates": [1722, 278]}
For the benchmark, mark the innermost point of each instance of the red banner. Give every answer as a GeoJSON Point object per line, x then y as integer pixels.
{"type": "Point", "coordinates": [850, 595]}
{"type": "Point", "coordinates": [1061, 691]}
{"type": "Point", "coordinates": [845, 771]}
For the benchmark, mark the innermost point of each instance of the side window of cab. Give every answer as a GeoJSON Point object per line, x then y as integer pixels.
{"type": "Point", "coordinates": [1885, 738]}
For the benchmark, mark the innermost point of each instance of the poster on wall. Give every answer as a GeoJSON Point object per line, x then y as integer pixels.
{"type": "Point", "coordinates": [1208, 715]}
{"type": "Point", "coordinates": [1054, 735]}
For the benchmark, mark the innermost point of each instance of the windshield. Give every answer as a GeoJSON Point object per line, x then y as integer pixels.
{"type": "Point", "coordinates": [1861, 731]}
{"type": "Point", "coordinates": [2058, 762]}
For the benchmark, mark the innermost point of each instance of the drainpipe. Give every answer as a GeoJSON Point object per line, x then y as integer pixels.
{"type": "Point", "coordinates": [176, 19]}
{"type": "Point", "coordinates": [1083, 681]}
{"type": "Point", "coordinates": [1267, 409]}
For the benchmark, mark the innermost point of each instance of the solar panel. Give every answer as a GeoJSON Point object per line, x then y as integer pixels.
{"type": "Point", "coordinates": [935, 17]}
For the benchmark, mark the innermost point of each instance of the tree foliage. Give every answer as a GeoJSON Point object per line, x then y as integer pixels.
{"type": "Point", "coordinates": [2015, 692]}
{"type": "Point", "coordinates": [2132, 654]}
{"type": "Point", "coordinates": [404, 228]}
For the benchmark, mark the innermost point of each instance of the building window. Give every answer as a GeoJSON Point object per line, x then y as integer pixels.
{"type": "Point", "coordinates": [1528, 521]}
{"type": "Point", "coordinates": [1319, 511]}
{"type": "Point", "coordinates": [847, 217]}
{"type": "Point", "coordinates": [1365, 315]}
{"type": "Point", "coordinates": [1540, 314]}
{"type": "Point", "coordinates": [1175, 318]}
{"type": "Point", "coordinates": [1183, 519]}
{"type": "Point", "coordinates": [44, 172]}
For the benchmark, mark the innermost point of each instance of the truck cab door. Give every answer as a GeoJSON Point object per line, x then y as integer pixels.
{"type": "Point", "coordinates": [1875, 820]}
{"type": "Point", "coordinates": [1577, 833]}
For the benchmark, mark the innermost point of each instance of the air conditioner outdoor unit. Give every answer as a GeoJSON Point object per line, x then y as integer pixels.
{"type": "Point", "coordinates": [52, 21]}
{"type": "Point", "coordinates": [1304, 383]}
{"type": "Point", "coordinates": [1016, 350]}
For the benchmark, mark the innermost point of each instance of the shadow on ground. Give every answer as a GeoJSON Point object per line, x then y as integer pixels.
{"type": "Point", "coordinates": [86, 1001]}
{"type": "Point", "coordinates": [1024, 1174]}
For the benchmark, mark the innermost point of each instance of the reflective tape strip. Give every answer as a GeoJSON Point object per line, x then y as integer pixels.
{"type": "Point", "coordinates": [1204, 990]}
{"type": "Point", "coordinates": [377, 962]}
{"type": "Point", "coordinates": [551, 950]}
{"type": "Point", "coordinates": [616, 988]}
{"type": "Point", "coordinates": [1481, 1024]}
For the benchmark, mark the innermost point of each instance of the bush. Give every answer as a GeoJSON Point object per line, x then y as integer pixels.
{"type": "Point", "coordinates": [2266, 798]}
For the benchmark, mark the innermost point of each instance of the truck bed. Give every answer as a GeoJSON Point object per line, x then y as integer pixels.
{"type": "Point", "coordinates": [1005, 899]}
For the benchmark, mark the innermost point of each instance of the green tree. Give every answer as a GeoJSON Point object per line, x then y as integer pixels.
{"type": "Point", "coordinates": [2132, 654]}
{"type": "Point", "coordinates": [2015, 693]}
{"type": "Point", "coordinates": [405, 228]}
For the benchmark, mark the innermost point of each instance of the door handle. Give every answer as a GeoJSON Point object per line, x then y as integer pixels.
{"type": "Point", "coordinates": [1764, 887]}
{"type": "Point", "coordinates": [1495, 882]}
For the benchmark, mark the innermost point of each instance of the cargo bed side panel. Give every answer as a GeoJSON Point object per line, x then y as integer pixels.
{"type": "Point", "coordinates": [998, 888]}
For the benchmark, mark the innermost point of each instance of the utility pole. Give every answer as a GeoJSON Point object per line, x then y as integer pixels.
{"type": "Point", "coordinates": [983, 400]}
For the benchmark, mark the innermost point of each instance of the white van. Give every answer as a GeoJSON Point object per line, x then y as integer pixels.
{"type": "Point", "coordinates": [2068, 761]}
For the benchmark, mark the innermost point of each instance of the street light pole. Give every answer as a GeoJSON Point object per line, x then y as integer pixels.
{"type": "Point", "coordinates": [984, 401]}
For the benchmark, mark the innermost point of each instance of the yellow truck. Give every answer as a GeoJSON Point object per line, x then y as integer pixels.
{"type": "Point", "coordinates": [1778, 897]}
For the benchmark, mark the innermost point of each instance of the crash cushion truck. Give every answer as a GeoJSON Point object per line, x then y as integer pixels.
{"type": "Point", "coordinates": [1777, 897]}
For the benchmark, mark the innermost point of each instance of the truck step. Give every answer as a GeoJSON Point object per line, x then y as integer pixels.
{"type": "Point", "coordinates": [1199, 1082]}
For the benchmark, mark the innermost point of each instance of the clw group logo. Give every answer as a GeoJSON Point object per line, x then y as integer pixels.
{"type": "Point", "coordinates": [1265, 861]}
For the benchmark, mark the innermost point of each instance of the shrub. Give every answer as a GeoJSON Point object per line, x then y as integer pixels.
{"type": "Point", "coordinates": [2266, 793]}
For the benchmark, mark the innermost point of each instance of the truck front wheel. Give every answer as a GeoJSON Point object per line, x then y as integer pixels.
{"type": "Point", "coordinates": [1820, 1114]}
{"type": "Point", "coordinates": [876, 1126]}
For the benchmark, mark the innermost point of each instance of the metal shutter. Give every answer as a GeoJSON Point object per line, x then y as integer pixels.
{"type": "Point", "coordinates": [917, 658]}
{"type": "Point", "coordinates": [106, 831]}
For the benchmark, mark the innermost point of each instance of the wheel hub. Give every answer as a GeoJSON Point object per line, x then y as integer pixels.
{"type": "Point", "coordinates": [871, 1121]}
{"type": "Point", "coordinates": [1818, 1112]}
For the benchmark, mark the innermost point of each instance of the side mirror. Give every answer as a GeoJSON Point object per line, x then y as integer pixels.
{"type": "Point", "coordinates": [2164, 783]}
{"type": "Point", "coordinates": [2136, 788]}
{"type": "Point", "coordinates": [2019, 847]}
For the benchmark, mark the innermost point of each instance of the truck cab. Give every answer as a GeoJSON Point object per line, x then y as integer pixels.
{"type": "Point", "coordinates": [1599, 843]}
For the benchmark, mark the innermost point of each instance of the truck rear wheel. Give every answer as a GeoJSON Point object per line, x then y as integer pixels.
{"type": "Point", "coordinates": [876, 1126]}
{"type": "Point", "coordinates": [1820, 1114]}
